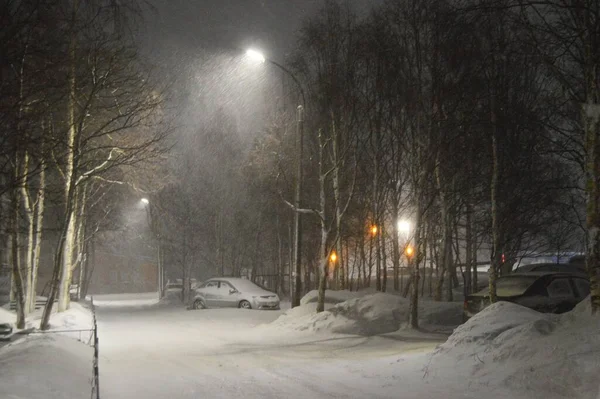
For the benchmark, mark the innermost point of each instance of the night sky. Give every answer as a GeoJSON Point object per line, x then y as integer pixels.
{"type": "Point", "coordinates": [219, 24]}
{"type": "Point", "coordinates": [194, 41]}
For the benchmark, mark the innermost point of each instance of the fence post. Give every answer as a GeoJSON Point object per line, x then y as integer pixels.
{"type": "Point", "coordinates": [96, 381]}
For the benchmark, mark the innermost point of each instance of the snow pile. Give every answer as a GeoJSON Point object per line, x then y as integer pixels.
{"type": "Point", "coordinates": [331, 297]}
{"type": "Point", "coordinates": [171, 297]}
{"type": "Point", "coordinates": [126, 300]}
{"type": "Point", "coordinates": [45, 366]}
{"type": "Point", "coordinates": [371, 314]}
{"type": "Point", "coordinates": [77, 317]}
{"type": "Point", "coordinates": [6, 316]}
{"type": "Point", "coordinates": [540, 355]}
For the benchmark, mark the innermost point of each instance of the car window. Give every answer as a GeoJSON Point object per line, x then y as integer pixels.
{"type": "Point", "coordinates": [560, 287]}
{"type": "Point", "coordinates": [225, 286]}
{"type": "Point", "coordinates": [583, 287]}
{"type": "Point", "coordinates": [211, 284]}
{"type": "Point", "coordinates": [513, 285]}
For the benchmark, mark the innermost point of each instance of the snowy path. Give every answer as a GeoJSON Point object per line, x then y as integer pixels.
{"type": "Point", "coordinates": [158, 352]}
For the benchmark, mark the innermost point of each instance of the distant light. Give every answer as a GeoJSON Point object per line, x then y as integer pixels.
{"type": "Point", "coordinates": [145, 201]}
{"type": "Point", "coordinates": [404, 226]}
{"type": "Point", "coordinates": [409, 251]}
{"type": "Point", "coordinates": [333, 257]}
{"type": "Point", "coordinates": [255, 55]}
{"type": "Point", "coordinates": [373, 230]}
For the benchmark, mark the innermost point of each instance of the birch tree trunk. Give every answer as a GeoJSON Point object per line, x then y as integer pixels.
{"type": "Point", "coordinates": [39, 224]}
{"type": "Point", "coordinates": [324, 231]}
{"type": "Point", "coordinates": [18, 284]}
{"type": "Point", "coordinates": [29, 246]}
{"type": "Point", "coordinates": [66, 242]}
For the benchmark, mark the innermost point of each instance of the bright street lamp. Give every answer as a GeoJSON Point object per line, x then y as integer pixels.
{"type": "Point", "coordinates": [255, 55]}
{"type": "Point", "coordinates": [145, 201]}
{"type": "Point", "coordinates": [404, 226]}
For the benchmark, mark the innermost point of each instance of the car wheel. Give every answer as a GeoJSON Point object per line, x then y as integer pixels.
{"type": "Point", "coordinates": [245, 305]}
{"type": "Point", "coordinates": [199, 304]}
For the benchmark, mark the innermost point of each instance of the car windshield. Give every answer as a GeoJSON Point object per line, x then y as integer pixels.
{"type": "Point", "coordinates": [511, 285]}
{"type": "Point", "coordinates": [243, 285]}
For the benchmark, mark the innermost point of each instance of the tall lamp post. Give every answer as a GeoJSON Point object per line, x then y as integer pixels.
{"type": "Point", "coordinates": [152, 222]}
{"type": "Point", "coordinates": [258, 56]}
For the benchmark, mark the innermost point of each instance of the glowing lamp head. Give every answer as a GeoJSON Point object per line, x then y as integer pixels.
{"type": "Point", "coordinates": [404, 226]}
{"type": "Point", "coordinates": [373, 230]}
{"type": "Point", "coordinates": [333, 257]}
{"type": "Point", "coordinates": [409, 251]}
{"type": "Point", "coordinates": [145, 201]}
{"type": "Point", "coordinates": [255, 55]}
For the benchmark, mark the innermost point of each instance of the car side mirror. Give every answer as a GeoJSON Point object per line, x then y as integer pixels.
{"type": "Point", "coordinates": [232, 291]}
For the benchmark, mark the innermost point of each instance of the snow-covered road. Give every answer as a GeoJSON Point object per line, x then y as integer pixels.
{"type": "Point", "coordinates": [167, 352]}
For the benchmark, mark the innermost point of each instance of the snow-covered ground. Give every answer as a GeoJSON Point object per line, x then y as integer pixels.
{"type": "Point", "coordinates": [45, 366]}
{"type": "Point", "coordinates": [125, 300]}
{"type": "Point", "coordinates": [53, 364]}
{"type": "Point", "coordinates": [155, 351]}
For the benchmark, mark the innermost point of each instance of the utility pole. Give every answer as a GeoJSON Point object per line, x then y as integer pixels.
{"type": "Point", "coordinates": [297, 204]}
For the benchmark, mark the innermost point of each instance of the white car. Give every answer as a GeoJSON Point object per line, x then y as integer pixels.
{"type": "Point", "coordinates": [229, 292]}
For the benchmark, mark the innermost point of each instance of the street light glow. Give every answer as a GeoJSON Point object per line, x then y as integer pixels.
{"type": "Point", "coordinates": [374, 230]}
{"type": "Point", "coordinates": [333, 257]}
{"type": "Point", "coordinates": [404, 226]}
{"type": "Point", "coordinates": [145, 201]}
{"type": "Point", "coordinates": [409, 251]}
{"type": "Point", "coordinates": [255, 55]}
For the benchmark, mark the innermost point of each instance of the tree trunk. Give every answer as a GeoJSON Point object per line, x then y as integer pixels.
{"type": "Point", "coordinates": [383, 259]}
{"type": "Point", "coordinates": [324, 271]}
{"type": "Point", "coordinates": [67, 236]}
{"type": "Point", "coordinates": [395, 246]}
{"type": "Point", "coordinates": [415, 261]}
{"type": "Point", "coordinates": [18, 284]}
{"type": "Point", "coordinates": [496, 250]}
{"type": "Point", "coordinates": [58, 262]}
{"type": "Point", "coordinates": [468, 248]}
{"type": "Point", "coordinates": [592, 143]}
{"type": "Point", "coordinates": [39, 223]}
{"type": "Point", "coordinates": [29, 247]}
{"type": "Point", "coordinates": [323, 267]}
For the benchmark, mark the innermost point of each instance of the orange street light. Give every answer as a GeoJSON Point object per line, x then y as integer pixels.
{"type": "Point", "coordinates": [373, 230]}
{"type": "Point", "coordinates": [409, 251]}
{"type": "Point", "coordinates": [333, 257]}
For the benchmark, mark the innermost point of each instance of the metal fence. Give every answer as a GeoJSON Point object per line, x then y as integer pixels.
{"type": "Point", "coordinates": [96, 377]}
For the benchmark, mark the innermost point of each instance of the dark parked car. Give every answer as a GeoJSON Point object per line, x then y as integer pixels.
{"type": "Point", "coordinates": [546, 292]}
{"type": "Point", "coordinates": [552, 267]}
{"type": "Point", "coordinates": [5, 331]}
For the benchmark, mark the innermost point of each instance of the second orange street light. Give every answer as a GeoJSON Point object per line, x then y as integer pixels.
{"type": "Point", "coordinates": [373, 230]}
{"type": "Point", "coordinates": [259, 57]}
{"type": "Point", "coordinates": [409, 251]}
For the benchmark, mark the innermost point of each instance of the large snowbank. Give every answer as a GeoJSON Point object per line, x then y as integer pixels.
{"type": "Point", "coordinates": [370, 314]}
{"type": "Point", "coordinates": [507, 346]}
{"type": "Point", "coordinates": [6, 316]}
{"type": "Point", "coordinates": [126, 300]}
{"type": "Point", "coordinates": [45, 366]}
{"type": "Point", "coordinates": [331, 297]}
{"type": "Point", "coordinates": [77, 317]}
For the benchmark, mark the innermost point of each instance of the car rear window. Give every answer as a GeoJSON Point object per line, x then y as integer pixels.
{"type": "Point", "coordinates": [513, 285]}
